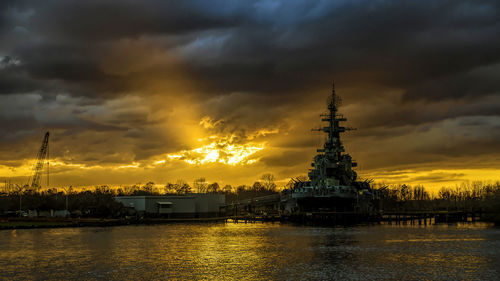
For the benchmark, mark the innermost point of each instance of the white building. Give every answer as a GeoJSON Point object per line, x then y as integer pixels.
{"type": "Point", "coordinates": [191, 205]}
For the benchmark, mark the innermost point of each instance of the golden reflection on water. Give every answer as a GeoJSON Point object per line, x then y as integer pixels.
{"type": "Point", "coordinates": [259, 251]}
{"type": "Point", "coordinates": [450, 251]}
{"type": "Point", "coordinates": [434, 240]}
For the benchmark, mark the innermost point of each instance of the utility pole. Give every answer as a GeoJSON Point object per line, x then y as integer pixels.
{"type": "Point", "coordinates": [67, 190]}
{"type": "Point", "coordinates": [20, 190]}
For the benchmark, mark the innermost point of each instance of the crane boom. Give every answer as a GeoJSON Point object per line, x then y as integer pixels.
{"type": "Point", "coordinates": [35, 183]}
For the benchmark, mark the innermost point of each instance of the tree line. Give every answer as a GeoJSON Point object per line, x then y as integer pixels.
{"type": "Point", "coordinates": [99, 200]}
{"type": "Point", "coordinates": [470, 196]}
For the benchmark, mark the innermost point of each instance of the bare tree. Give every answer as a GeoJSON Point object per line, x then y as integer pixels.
{"type": "Point", "coordinates": [268, 182]}
{"type": "Point", "coordinates": [149, 187]}
{"type": "Point", "coordinates": [404, 192]}
{"type": "Point", "coordinates": [170, 188]}
{"type": "Point", "coordinates": [181, 187]}
{"type": "Point", "coordinates": [200, 185]}
{"type": "Point", "coordinates": [227, 188]}
{"type": "Point", "coordinates": [213, 188]}
{"type": "Point", "coordinates": [257, 186]}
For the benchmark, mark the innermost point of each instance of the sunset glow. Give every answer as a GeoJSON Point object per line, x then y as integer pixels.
{"type": "Point", "coordinates": [221, 150]}
{"type": "Point", "coordinates": [249, 140]}
{"type": "Point", "coordinates": [206, 92]}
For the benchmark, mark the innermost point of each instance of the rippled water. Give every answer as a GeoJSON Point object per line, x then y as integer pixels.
{"type": "Point", "coordinates": [253, 252]}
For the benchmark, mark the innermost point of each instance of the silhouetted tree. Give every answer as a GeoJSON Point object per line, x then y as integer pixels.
{"type": "Point", "coordinates": [170, 188]}
{"type": "Point", "coordinates": [257, 186]}
{"type": "Point", "coordinates": [268, 182]}
{"type": "Point", "coordinates": [213, 188]}
{"type": "Point", "coordinates": [149, 187]}
{"type": "Point", "coordinates": [445, 193]}
{"type": "Point", "coordinates": [227, 188]}
{"type": "Point", "coordinates": [181, 187]}
{"type": "Point", "coordinates": [200, 185]}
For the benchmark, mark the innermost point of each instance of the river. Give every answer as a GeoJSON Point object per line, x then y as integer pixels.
{"type": "Point", "coordinates": [253, 251]}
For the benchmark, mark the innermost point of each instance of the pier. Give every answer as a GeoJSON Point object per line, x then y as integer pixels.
{"type": "Point", "coordinates": [268, 208]}
{"type": "Point", "coordinates": [428, 217]}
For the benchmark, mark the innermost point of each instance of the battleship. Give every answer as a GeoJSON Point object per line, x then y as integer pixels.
{"type": "Point", "coordinates": [332, 183]}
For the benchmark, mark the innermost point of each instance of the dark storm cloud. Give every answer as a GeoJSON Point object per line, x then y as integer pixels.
{"type": "Point", "coordinates": [253, 64]}
{"type": "Point", "coordinates": [397, 114]}
{"type": "Point", "coordinates": [287, 158]}
{"type": "Point", "coordinates": [427, 48]}
{"type": "Point", "coordinates": [400, 44]}
{"type": "Point", "coordinates": [108, 20]}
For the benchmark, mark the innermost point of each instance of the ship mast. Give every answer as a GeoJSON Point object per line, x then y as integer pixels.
{"type": "Point", "coordinates": [332, 166]}
{"type": "Point", "coordinates": [333, 147]}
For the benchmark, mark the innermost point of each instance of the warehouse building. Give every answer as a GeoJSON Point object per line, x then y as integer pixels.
{"type": "Point", "coordinates": [193, 205]}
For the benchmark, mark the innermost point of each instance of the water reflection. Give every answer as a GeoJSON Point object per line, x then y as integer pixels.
{"type": "Point", "coordinates": [252, 251]}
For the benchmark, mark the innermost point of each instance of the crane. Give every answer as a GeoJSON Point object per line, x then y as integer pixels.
{"type": "Point", "coordinates": [34, 182]}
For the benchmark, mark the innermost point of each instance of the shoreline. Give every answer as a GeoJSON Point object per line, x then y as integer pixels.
{"type": "Point", "coordinates": [21, 223]}
{"type": "Point", "coordinates": [17, 223]}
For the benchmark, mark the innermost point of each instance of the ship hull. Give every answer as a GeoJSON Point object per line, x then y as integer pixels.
{"type": "Point", "coordinates": [319, 204]}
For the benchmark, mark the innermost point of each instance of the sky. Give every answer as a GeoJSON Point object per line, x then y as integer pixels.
{"type": "Point", "coordinates": [138, 91]}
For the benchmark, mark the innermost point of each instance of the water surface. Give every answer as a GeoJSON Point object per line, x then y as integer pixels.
{"type": "Point", "coordinates": [260, 251]}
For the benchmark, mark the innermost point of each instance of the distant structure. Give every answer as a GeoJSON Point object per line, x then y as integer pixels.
{"type": "Point", "coordinates": [332, 183]}
{"type": "Point", "coordinates": [34, 182]}
{"type": "Point", "coordinates": [194, 205]}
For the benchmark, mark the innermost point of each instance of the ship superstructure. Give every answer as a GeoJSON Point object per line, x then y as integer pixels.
{"type": "Point", "coordinates": [332, 183]}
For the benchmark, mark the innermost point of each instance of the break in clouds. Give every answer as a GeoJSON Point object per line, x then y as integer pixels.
{"type": "Point", "coordinates": [127, 83]}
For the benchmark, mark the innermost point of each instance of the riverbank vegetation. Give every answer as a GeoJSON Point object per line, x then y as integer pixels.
{"type": "Point", "coordinates": [477, 197]}
{"type": "Point", "coordinates": [99, 201]}
{"type": "Point", "coordinates": [468, 196]}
